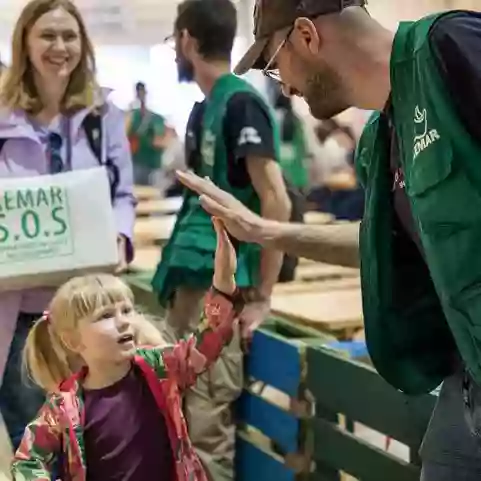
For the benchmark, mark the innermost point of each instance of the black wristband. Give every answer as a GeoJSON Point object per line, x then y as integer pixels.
{"type": "Point", "coordinates": [236, 298]}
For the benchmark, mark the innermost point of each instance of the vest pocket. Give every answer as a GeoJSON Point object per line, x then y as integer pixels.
{"type": "Point", "coordinates": [427, 171]}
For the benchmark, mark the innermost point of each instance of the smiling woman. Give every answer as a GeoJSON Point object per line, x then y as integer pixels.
{"type": "Point", "coordinates": [50, 36]}
{"type": "Point", "coordinates": [53, 118]}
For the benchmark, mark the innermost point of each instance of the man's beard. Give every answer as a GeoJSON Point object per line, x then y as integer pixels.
{"type": "Point", "coordinates": [324, 94]}
{"type": "Point", "coordinates": [185, 70]}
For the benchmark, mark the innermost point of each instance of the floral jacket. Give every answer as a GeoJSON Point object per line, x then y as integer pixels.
{"type": "Point", "coordinates": [58, 428]}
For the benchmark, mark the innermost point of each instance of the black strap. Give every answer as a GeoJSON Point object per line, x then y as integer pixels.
{"type": "Point", "coordinates": [92, 125]}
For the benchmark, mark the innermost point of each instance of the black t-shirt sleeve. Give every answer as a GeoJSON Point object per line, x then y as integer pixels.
{"type": "Point", "coordinates": [247, 128]}
{"type": "Point", "coordinates": [248, 132]}
{"type": "Point", "coordinates": [456, 43]}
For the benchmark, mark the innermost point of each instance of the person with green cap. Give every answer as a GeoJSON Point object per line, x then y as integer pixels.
{"type": "Point", "coordinates": [419, 160]}
{"type": "Point", "coordinates": [232, 138]}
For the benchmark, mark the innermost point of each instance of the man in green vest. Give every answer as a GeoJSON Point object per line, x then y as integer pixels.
{"type": "Point", "coordinates": [148, 135]}
{"type": "Point", "coordinates": [419, 160]}
{"type": "Point", "coordinates": [232, 139]}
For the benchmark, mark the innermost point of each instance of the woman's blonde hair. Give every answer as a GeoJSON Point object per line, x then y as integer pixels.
{"type": "Point", "coordinates": [47, 359]}
{"type": "Point", "coordinates": [18, 90]}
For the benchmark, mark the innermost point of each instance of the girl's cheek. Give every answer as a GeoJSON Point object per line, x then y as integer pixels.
{"type": "Point", "coordinates": [106, 326]}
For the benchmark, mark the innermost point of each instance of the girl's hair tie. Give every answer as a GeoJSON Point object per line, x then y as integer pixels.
{"type": "Point", "coordinates": [46, 316]}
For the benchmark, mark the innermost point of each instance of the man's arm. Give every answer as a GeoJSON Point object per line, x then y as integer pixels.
{"type": "Point", "coordinates": [333, 244]}
{"type": "Point", "coordinates": [249, 139]}
{"type": "Point", "coordinates": [267, 181]}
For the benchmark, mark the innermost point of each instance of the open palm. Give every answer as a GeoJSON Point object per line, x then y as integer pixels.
{"type": "Point", "coordinates": [241, 222]}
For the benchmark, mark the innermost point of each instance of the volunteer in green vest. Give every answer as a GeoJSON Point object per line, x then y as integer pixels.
{"type": "Point", "coordinates": [148, 136]}
{"type": "Point", "coordinates": [293, 154]}
{"type": "Point", "coordinates": [419, 160]}
{"type": "Point", "coordinates": [231, 138]}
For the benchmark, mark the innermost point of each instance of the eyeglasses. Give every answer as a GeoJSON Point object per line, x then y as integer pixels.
{"type": "Point", "coordinates": [55, 142]}
{"type": "Point", "coordinates": [170, 41]}
{"type": "Point", "coordinates": [273, 73]}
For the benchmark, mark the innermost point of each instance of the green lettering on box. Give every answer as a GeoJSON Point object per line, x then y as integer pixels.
{"type": "Point", "coordinates": [35, 224]}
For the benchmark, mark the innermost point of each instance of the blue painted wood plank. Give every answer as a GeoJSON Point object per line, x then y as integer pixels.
{"type": "Point", "coordinates": [275, 362]}
{"type": "Point", "coordinates": [355, 349]}
{"type": "Point", "coordinates": [275, 423]}
{"type": "Point", "coordinates": [254, 464]}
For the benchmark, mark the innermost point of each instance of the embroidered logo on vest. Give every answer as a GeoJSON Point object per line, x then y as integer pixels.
{"type": "Point", "coordinates": [422, 137]}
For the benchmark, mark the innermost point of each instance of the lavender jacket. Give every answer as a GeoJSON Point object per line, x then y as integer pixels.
{"type": "Point", "coordinates": [24, 155]}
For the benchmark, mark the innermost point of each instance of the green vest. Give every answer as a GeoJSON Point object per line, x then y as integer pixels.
{"type": "Point", "coordinates": [293, 159]}
{"type": "Point", "coordinates": [415, 317]}
{"type": "Point", "coordinates": [188, 258]}
{"type": "Point", "coordinates": [145, 129]}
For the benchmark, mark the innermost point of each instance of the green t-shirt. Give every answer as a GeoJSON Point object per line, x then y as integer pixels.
{"type": "Point", "coordinates": [144, 127]}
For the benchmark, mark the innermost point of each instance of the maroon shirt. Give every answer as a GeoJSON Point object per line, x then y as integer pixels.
{"type": "Point", "coordinates": [126, 436]}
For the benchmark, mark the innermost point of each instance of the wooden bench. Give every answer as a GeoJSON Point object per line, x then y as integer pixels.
{"type": "Point", "coordinates": [167, 206]}
{"type": "Point", "coordinates": [153, 230]}
{"type": "Point", "coordinates": [338, 312]}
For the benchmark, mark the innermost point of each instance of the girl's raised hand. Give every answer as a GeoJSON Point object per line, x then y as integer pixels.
{"type": "Point", "coordinates": [225, 264]}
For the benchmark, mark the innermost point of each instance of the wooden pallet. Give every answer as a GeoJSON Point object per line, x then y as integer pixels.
{"type": "Point", "coordinates": [153, 230]}
{"type": "Point", "coordinates": [297, 287]}
{"type": "Point", "coordinates": [144, 192]}
{"type": "Point", "coordinates": [303, 402]}
{"type": "Point", "coordinates": [146, 258]}
{"type": "Point", "coordinates": [157, 207]}
{"type": "Point", "coordinates": [318, 271]}
{"type": "Point", "coordinates": [338, 312]}
{"type": "Point", "coordinates": [322, 407]}
{"type": "Point", "coordinates": [314, 217]}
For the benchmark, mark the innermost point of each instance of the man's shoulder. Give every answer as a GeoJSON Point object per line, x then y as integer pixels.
{"type": "Point", "coordinates": [456, 25]}
{"type": "Point", "coordinates": [247, 98]}
{"type": "Point", "coordinates": [458, 18]}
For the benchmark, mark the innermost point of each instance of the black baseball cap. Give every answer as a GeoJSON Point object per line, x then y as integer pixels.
{"type": "Point", "coordinates": [273, 15]}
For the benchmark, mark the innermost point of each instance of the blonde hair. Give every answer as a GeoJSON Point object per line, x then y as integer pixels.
{"type": "Point", "coordinates": [18, 90]}
{"type": "Point", "coordinates": [46, 358]}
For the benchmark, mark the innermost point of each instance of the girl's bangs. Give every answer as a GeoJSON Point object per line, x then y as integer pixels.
{"type": "Point", "coordinates": [97, 294]}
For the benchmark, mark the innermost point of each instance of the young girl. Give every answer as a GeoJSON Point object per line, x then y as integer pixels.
{"type": "Point", "coordinates": [119, 416]}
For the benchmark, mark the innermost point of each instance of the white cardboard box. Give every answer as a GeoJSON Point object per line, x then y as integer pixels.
{"type": "Point", "coordinates": [55, 227]}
